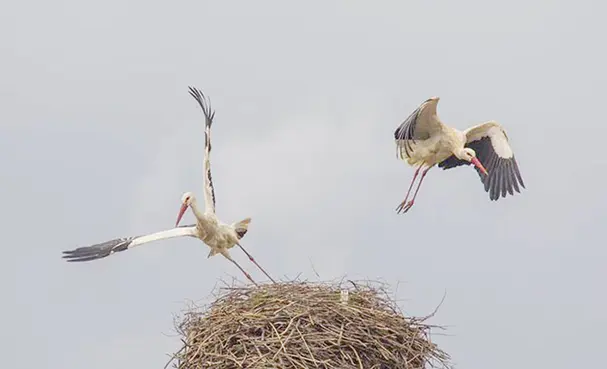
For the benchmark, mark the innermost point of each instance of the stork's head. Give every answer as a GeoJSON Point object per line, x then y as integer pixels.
{"type": "Point", "coordinates": [470, 155]}
{"type": "Point", "coordinates": [186, 200]}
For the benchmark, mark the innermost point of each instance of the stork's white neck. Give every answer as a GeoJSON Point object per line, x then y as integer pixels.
{"type": "Point", "coordinates": [460, 153]}
{"type": "Point", "coordinates": [196, 210]}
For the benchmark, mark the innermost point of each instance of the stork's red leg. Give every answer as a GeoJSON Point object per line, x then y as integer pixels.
{"type": "Point", "coordinates": [227, 256]}
{"type": "Point", "coordinates": [255, 262]}
{"type": "Point", "coordinates": [402, 204]}
{"type": "Point", "coordinates": [408, 206]}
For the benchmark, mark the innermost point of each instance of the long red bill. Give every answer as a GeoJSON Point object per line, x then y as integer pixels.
{"type": "Point", "coordinates": [480, 166]}
{"type": "Point", "coordinates": [184, 207]}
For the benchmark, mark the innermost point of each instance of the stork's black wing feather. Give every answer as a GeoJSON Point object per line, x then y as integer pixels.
{"type": "Point", "coordinates": [98, 251]}
{"type": "Point", "coordinates": [504, 176]}
{"type": "Point", "coordinates": [452, 162]}
{"type": "Point", "coordinates": [418, 126]}
{"type": "Point", "coordinates": [405, 133]}
{"type": "Point", "coordinates": [107, 248]}
{"type": "Point", "coordinates": [209, 114]}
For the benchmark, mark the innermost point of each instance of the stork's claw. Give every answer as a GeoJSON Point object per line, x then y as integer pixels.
{"type": "Point", "coordinates": [250, 279]}
{"type": "Point", "coordinates": [400, 206]}
{"type": "Point", "coordinates": [404, 206]}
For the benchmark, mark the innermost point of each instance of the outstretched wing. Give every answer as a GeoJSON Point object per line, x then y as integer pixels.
{"type": "Point", "coordinates": [104, 249]}
{"type": "Point", "coordinates": [419, 125]}
{"type": "Point", "coordinates": [490, 142]}
{"type": "Point", "coordinates": [209, 114]}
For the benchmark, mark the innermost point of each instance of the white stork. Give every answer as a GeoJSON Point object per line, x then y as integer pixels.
{"type": "Point", "coordinates": [209, 229]}
{"type": "Point", "coordinates": [422, 139]}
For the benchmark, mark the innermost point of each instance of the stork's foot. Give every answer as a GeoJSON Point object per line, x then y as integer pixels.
{"type": "Point", "coordinates": [404, 206]}
{"type": "Point", "coordinates": [250, 279]}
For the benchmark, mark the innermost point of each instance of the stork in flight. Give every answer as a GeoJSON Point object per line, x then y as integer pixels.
{"type": "Point", "coordinates": [219, 236]}
{"type": "Point", "coordinates": [423, 140]}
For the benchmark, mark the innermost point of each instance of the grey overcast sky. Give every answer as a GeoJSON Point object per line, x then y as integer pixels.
{"type": "Point", "coordinates": [99, 138]}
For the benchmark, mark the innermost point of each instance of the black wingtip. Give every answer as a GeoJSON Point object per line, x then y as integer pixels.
{"type": "Point", "coordinates": [406, 131]}
{"type": "Point", "coordinates": [71, 256]}
{"type": "Point", "coordinates": [205, 104]}
{"type": "Point", "coordinates": [98, 251]}
{"type": "Point", "coordinates": [83, 258]}
{"type": "Point", "coordinates": [73, 251]}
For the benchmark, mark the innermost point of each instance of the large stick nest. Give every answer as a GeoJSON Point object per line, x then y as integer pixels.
{"type": "Point", "coordinates": [305, 325]}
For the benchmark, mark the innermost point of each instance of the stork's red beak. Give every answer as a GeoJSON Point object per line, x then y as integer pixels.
{"type": "Point", "coordinates": [184, 207]}
{"type": "Point", "coordinates": [480, 166]}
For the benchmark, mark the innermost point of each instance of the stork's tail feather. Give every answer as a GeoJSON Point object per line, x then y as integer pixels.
{"type": "Point", "coordinates": [242, 227]}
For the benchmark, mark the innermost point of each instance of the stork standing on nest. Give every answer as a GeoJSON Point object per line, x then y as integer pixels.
{"type": "Point", "coordinates": [219, 236]}
{"type": "Point", "coordinates": [423, 140]}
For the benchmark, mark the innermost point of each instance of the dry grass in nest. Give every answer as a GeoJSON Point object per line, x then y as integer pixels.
{"type": "Point", "coordinates": [305, 325]}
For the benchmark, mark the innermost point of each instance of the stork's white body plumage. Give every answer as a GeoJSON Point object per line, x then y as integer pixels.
{"type": "Point", "coordinates": [423, 140]}
{"type": "Point", "coordinates": [219, 236]}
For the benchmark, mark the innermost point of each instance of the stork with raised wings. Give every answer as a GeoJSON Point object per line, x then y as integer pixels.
{"type": "Point", "coordinates": [219, 236]}
{"type": "Point", "coordinates": [422, 140]}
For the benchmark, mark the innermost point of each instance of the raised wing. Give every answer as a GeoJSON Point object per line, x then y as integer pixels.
{"type": "Point", "coordinates": [209, 114]}
{"type": "Point", "coordinates": [104, 249]}
{"type": "Point", "coordinates": [419, 125]}
{"type": "Point", "coordinates": [490, 142]}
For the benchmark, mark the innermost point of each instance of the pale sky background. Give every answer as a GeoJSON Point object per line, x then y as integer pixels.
{"type": "Point", "coordinates": [99, 138]}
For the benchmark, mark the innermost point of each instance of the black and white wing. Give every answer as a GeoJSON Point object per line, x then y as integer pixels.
{"type": "Point", "coordinates": [209, 114]}
{"type": "Point", "coordinates": [490, 142]}
{"type": "Point", "coordinates": [419, 125]}
{"type": "Point", "coordinates": [104, 249]}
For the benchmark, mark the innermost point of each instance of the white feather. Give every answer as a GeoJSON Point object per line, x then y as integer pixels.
{"type": "Point", "coordinates": [497, 135]}
{"type": "Point", "coordinates": [163, 235]}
